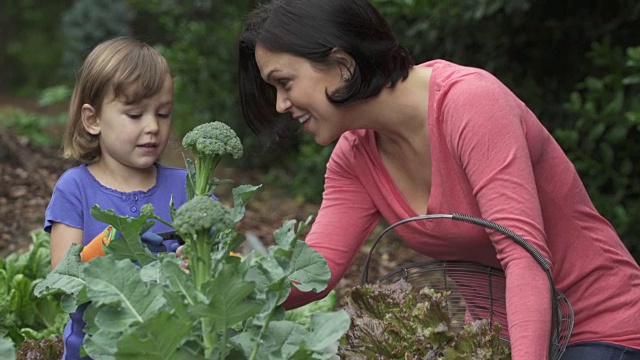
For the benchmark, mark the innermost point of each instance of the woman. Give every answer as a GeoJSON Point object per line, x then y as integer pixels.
{"type": "Point", "coordinates": [438, 138]}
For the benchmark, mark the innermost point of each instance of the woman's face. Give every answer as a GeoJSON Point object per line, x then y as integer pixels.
{"type": "Point", "coordinates": [300, 90]}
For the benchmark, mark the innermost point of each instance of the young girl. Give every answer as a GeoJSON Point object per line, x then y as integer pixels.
{"type": "Point", "coordinates": [438, 138]}
{"type": "Point", "coordinates": [118, 126]}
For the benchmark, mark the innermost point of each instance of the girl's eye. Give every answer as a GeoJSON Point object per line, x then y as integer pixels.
{"type": "Point", "coordinates": [134, 116]}
{"type": "Point", "coordinates": [164, 115]}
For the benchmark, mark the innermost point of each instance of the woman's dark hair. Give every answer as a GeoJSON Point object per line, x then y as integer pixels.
{"type": "Point", "coordinates": [312, 29]}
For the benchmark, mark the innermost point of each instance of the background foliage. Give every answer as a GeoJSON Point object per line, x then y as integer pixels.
{"type": "Point", "coordinates": [576, 64]}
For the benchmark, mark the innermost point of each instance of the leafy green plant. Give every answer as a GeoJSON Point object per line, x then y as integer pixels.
{"type": "Point", "coordinates": [303, 314]}
{"type": "Point", "coordinates": [393, 321]}
{"type": "Point", "coordinates": [45, 349]}
{"type": "Point", "coordinates": [23, 315]}
{"type": "Point", "coordinates": [224, 307]}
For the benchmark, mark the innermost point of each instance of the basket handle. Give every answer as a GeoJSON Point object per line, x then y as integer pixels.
{"type": "Point", "coordinates": [544, 263]}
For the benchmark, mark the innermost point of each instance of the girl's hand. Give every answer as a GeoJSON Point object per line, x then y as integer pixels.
{"type": "Point", "coordinates": [185, 262]}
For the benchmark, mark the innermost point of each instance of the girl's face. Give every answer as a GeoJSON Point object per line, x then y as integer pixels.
{"type": "Point", "coordinates": [134, 135]}
{"type": "Point", "coordinates": [300, 90]}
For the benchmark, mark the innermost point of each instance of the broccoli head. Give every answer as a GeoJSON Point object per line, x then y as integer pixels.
{"type": "Point", "coordinates": [197, 216]}
{"type": "Point", "coordinates": [213, 139]}
{"type": "Point", "coordinates": [147, 210]}
{"type": "Point", "coordinates": [194, 221]}
{"type": "Point", "coordinates": [209, 143]}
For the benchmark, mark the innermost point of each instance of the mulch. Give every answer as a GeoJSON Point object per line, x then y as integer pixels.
{"type": "Point", "coordinates": [27, 177]}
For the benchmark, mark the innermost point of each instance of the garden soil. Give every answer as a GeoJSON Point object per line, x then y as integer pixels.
{"type": "Point", "coordinates": [28, 174]}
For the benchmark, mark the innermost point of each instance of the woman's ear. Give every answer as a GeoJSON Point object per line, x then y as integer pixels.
{"type": "Point", "coordinates": [90, 119]}
{"type": "Point", "coordinates": [345, 62]}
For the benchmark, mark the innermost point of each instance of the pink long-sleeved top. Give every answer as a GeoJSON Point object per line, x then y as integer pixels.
{"type": "Point", "coordinates": [490, 158]}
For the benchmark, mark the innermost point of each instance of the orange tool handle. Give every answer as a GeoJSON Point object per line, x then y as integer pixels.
{"type": "Point", "coordinates": [94, 248]}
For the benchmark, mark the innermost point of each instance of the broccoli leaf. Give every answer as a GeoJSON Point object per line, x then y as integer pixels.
{"type": "Point", "coordinates": [118, 285]}
{"type": "Point", "coordinates": [232, 305]}
{"type": "Point", "coordinates": [327, 328]}
{"type": "Point", "coordinates": [190, 185]}
{"type": "Point", "coordinates": [241, 196]}
{"type": "Point", "coordinates": [310, 271]}
{"type": "Point", "coordinates": [178, 282]}
{"type": "Point", "coordinates": [284, 339]}
{"type": "Point", "coordinates": [129, 246]}
{"type": "Point", "coordinates": [101, 345]}
{"type": "Point", "coordinates": [66, 278]}
{"type": "Point", "coordinates": [153, 339]}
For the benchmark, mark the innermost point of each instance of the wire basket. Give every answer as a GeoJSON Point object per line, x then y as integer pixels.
{"type": "Point", "coordinates": [478, 291]}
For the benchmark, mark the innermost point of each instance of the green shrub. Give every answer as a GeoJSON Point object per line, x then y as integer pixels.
{"type": "Point", "coordinates": [86, 24]}
{"type": "Point", "coordinates": [32, 44]}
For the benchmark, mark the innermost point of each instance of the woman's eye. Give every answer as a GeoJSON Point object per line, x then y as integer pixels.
{"type": "Point", "coordinates": [283, 83]}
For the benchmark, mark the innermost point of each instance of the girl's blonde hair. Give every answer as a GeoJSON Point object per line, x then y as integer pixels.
{"type": "Point", "coordinates": [124, 67]}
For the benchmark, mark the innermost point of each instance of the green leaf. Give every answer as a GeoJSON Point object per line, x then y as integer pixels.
{"type": "Point", "coordinates": [66, 278]}
{"type": "Point", "coordinates": [100, 346]}
{"type": "Point", "coordinates": [607, 153]}
{"type": "Point", "coordinates": [154, 339]}
{"type": "Point", "coordinates": [190, 184]}
{"type": "Point", "coordinates": [117, 283]}
{"type": "Point", "coordinates": [129, 246]}
{"type": "Point", "coordinates": [176, 280]}
{"type": "Point", "coordinates": [302, 315]}
{"type": "Point", "coordinates": [20, 299]}
{"type": "Point", "coordinates": [7, 349]}
{"type": "Point", "coordinates": [326, 329]}
{"type": "Point", "coordinates": [631, 79]}
{"type": "Point", "coordinates": [310, 270]}
{"type": "Point", "coordinates": [241, 196]}
{"type": "Point", "coordinates": [285, 235]}
{"type": "Point", "coordinates": [229, 299]}
{"type": "Point", "coordinates": [283, 339]}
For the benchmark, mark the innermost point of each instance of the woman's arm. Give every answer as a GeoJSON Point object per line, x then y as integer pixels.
{"type": "Point", "coordinates": [346, 218]}
{"type": "Point", "coordinates": [486, 132]}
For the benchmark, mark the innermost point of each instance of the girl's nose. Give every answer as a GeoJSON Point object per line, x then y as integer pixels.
{"type": "Point", "coordinates": [151, 125]}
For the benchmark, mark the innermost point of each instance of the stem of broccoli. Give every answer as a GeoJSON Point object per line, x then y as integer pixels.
{"type": "Point", "coordinates": [200, 266]}
{"type": "Point", "coordinates": [281, 284]}
{"type": "Point", "coordinates": [254, 353]}
{"type": "Point", "coordinates": [205, 166]}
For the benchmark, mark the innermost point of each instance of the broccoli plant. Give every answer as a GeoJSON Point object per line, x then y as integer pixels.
{"type": "Point", "coordinates": [209, 143]}
{"type": "Point", "coordinates": [223, 307]}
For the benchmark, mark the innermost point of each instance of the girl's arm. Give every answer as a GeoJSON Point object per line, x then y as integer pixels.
{"type": "Point", "coordinates": [62, 236]}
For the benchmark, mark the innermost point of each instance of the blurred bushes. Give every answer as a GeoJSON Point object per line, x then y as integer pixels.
{"type": "Point", "coordinates": [87, 23]}
{"type": "Point", "coordinates": [30, 44]}
{"type": "Point", "coordinates": [542, 49]}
